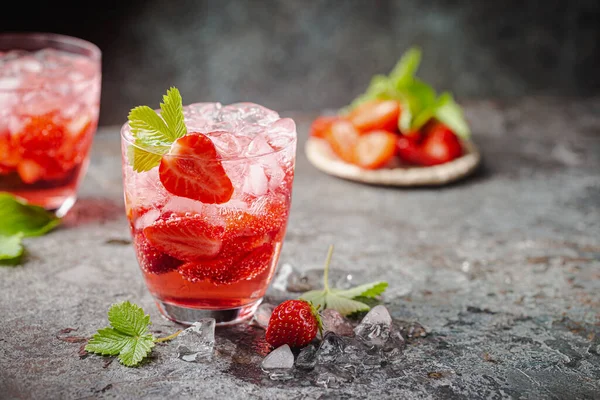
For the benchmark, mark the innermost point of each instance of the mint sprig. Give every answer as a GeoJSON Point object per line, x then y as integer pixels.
{"type": "Point", "coordinates": [154, 133]}
{"type": "Point", "coordinates": [343, 301]}
{"type": "Point", "coordinates": [18, 220]}
{"type": "Point", "coordinates": [127, 337]}
{"type": "Point", "coordinates": [419, 100]}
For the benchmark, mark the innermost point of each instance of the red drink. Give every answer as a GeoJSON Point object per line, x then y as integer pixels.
{"type": "Point", "coordinates": [201, 258]}
{"type": "Point", "coordinates": [49, 100]}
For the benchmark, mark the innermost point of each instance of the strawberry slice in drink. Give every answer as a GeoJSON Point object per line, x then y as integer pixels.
{"type": "Point", "coordinates": [225, 271]}
{"type": "Point", "coordinates": [192, 168]}
{"type": "Point", "coordinates": [152, 260]}
{"type": "Point", "coordinates": [186, 238]}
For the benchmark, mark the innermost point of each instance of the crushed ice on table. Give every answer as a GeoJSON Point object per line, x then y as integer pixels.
{"type": "Point", "coordinates": [196, 343]}
{"type": "Point", "coordinates": [280, 358]}
{"type": "Point", "coordinates": [374, 329]}
{"type": "Point", "coordinates": [331, 349]}
{"type": "Point", "coordinates": [307, 359]}
{"type": "Point", "coordinates": [333, 321]}
{"type": "Point", "coordinates": [263, 315]}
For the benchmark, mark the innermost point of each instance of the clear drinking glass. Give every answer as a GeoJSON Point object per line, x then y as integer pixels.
{"type": "Point", "coordinates": [49, 103]}
{"type": "Point", "coordinates": [215, 260]}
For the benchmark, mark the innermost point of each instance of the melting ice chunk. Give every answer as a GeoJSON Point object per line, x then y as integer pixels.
{"type": "Point", "coordinates": [331, 349]}
{"type": "Point", "coordinates": [280, 358]}
{"type": "Point", "coordinates": [333, 321]}
{"type": "Point", "coordinates": [374, 329]}
{"type": "Point", "coordinates": [195, 344]}
{"type": "Point", "coordinates": [307, 359]}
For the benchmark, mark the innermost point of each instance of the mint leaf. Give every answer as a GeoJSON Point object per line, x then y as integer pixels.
{"type": "Point", "coordinates": [149, 128]}
{"type": "Point", "coordinates": [19, 217]}
{"type": "Point", "coordinates": [406, 68]}
{"type": "Point", "coordinates": [451, 114]}
{"type": "Point", "coordinates": [129, 319]}
{"type": "Point", "coordinates": [142, 160]}
{"type": "Point", "coordinates": [343, 301]}
{"type": "Point", "coordinates": [172, 112]}
{"type": "Point", "coordinates": [11, 249]}
{"type": "Point", "coordinates": [369, 290]}
{"type": "Point", "coordinates": [127, 336]}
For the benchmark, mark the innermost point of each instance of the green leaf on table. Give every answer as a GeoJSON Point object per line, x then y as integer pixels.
{"type": "Point", "coordinates": [127, 336]}
{"type": "Point", "coordinates": [11, 249]}
{"type": "Point", "coordinates": [153, 133]}
{"type": "Point", "coordinates": [19, 217]}
{"type": "Point", "coordinates": [343, 301]}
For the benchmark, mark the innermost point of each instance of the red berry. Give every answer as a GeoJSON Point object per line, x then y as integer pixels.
{"type": "Point", "coordinates": [192, 168]}
{"type": "Point", "coordinates": [186, 238]}
{"type": "Point", "coordinates": [410, 152]}
{"type": "Point", "coordinates": [321, 125]}
{"type": "Point", "coordinates": [376, 114]}
{"type": "Point", "coordinates": [441, 145]}
{"type": "Point", "coordinates": [228, 270]}
{"type": "Point", "coordinates": [375, 149]}
{"type": "Point", "coordinates": [293, 322]}
{"type": "Point", "coordinates": [152, 260]}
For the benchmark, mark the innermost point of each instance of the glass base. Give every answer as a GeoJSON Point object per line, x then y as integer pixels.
{"type": "Point", "coordinates": [187, 315]}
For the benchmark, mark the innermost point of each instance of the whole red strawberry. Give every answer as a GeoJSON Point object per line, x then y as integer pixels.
{"type": "Point", "coordinates": [293, 322]}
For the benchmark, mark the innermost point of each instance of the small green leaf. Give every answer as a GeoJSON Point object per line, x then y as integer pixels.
{"type": "Point", "coordinates": [107, 342]}
{"type": "Point", "coordinates": [451, 114]}
{"type": "Point", "coordinates": [18, 217]}
{"type": "Point", "coordinates": [11, 249]}
{"type": "Point", "coordinates": [172, 112]}
{"type": "Point", "coordinates": [149, 128]}
{"type": "Point", "coordinates": [369, 290]}
{"type": "Point", "coordinates": [406, 68]}
{"type": "Point", "coordinates": [128, 318]}
{"type": "Point", "coordinates": [136, 349]}
{"type": "Point", "coordinates": [345, 306]}
{"type": "Point", "coordinates": [142, 160]}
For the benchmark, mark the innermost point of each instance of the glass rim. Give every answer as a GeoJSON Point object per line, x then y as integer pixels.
{"type": "Point", "coordinates": [95, 52]}
{"type": "Point", "coordinates": [129, 140]}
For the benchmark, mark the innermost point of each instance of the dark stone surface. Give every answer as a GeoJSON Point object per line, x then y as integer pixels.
{"type": "Point", "coordinates": [314, 54]}
{"type": "Point", "coordinates": [502, 269]}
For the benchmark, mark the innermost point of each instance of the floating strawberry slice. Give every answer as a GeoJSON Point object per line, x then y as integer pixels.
{"type": "Point", "coordinates": [268, 215]}
{"type": "Point", "coordinates": [186, 238]}
{"type": "Point", "coordinates": [375, 149]}
{"type": "Point", "coordinates": [225, 271]}
{"type": "Point", "coordinates": [192, 168]}
{"type": "Point", "coordinates": [152, 260]}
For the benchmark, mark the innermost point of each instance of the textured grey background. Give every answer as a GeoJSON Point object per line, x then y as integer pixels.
{"type": "Point", "coordinates": [309, 55]}
{"type": "Point", "coordinates": [503, 268]}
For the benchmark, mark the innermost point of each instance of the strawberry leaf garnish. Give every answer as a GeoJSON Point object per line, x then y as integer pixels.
{"type": "Point", "coordinates": [153, 133]}
{"type": "Point", "coordinates": [343, 301]}
{"type": "Point", "coordinates": [127, 337]}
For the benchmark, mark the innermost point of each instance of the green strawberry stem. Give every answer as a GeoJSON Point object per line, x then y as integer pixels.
{"type": "Point", "coordinates": [326, 272]}
{"type": "Point", "coordinates": [167, 338]}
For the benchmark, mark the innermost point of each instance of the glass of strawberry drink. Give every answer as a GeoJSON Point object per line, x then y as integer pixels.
{"type": "Point", "coordinates": [49, 101]}
{"type": "Point", "coordinates": [208, 213]}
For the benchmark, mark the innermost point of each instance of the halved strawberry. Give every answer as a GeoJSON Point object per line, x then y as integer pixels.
{"type": "Point", "coordinates": [441, 145]}
{"type": "Point", "coordinates": [186, 238]}
{"type": "Point", "coordinates": [151, 259]}
{"type": "Point", "coordinates": [225, 271]}
{"type": "Point", "coordinates": [376, 114]}
{"type": "Point", "coordinates": [192, 168]}
{"type": "Point", "coordinates": [410, 152]}
{"type": "Point", "coordinates": [375, 149]}
{"type": "Point", "coordinates": [342, 137]}
{"type": "Point", "coordinates": [30, 171]}
{"type": "Point", "coordinates": [321, 125]}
